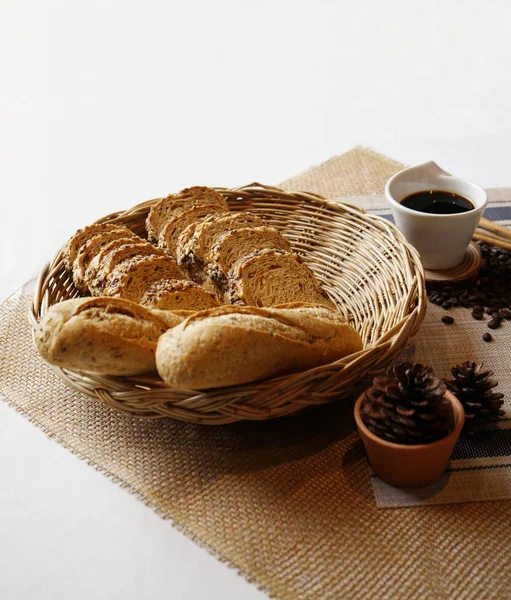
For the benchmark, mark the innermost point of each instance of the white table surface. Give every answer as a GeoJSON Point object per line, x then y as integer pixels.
{"type": "Point", "coordinates": [106, 104]}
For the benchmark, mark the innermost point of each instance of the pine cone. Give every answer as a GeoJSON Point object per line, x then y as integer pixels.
{"type": "Point", "coordinates": [474, 389]}
{"type": "Point", "coordinates": [408, 406]}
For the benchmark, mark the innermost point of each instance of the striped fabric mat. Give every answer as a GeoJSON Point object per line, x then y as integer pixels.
{"type": "Point", "coordinates": [480, 467]}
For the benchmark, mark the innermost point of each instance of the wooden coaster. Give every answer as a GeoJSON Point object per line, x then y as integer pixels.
{"type": "Point", "coordinates": [467, 269]}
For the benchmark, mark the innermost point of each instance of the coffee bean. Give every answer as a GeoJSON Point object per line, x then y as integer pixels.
{"type": "Point", "coordinates": [494, 324]}
{"type": "Point", "coordinates": [487, 337]}
{"type": "Point", "coordinates": [447, 320]}
{"type": "Point", "coordinates": [489, 293]}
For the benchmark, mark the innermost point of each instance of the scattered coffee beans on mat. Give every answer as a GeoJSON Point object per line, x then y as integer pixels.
{"type": "Point", "coordinates": [489, 294]}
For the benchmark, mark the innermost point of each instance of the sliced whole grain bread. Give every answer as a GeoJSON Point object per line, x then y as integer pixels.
{"type": "Point", "coordinates": [131, 278]}
{"type": "Point", "coordinates": [169, 235]}
{"type": "Point", "coordinates": [234, 246]}
{"type": "Point", "coordinates": [189, 231]}
{"type": "Point", "coordinates": [272, 277]}
{"type": "Point", "coordinates": [92, 247]}
{"type": "Point", "coordinates": [171, 206]}
{"type": "Point", "coordinates": [74, 245]}
{"type": "Point", "coordinates": [99, 260]}
{"type": "Point", "coordinates": [112, 255]}
{"type": "Point", "coordinates": [196, 253]}
{"type": "Point", "coordinates": [178, 294]}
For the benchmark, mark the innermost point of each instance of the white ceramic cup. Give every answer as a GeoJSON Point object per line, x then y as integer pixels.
{"type": "Point", "coordinates": [441, 240]}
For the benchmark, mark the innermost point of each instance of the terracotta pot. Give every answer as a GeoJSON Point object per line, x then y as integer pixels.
{"type": "Point", "coordinates": [410, 466]}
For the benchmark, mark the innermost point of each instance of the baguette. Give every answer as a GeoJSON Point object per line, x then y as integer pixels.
{"type": "Point", "coordinates": [102, 335]}
{"type": "Point", "coordinates": [234, 345]}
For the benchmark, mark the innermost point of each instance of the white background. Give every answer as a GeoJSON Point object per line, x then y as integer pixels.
{"type": "Point", "coordinates": [108, 103]}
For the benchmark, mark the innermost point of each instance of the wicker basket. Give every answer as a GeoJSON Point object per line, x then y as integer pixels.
{"type": "Point", "coordinates": [370, 272]}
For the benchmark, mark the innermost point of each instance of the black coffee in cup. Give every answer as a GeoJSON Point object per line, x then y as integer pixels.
{"type": "Point", "coordinates": [438, 202]}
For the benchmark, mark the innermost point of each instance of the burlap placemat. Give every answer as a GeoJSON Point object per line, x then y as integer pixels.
{"type": "Point", "coordinates": [288, 503]}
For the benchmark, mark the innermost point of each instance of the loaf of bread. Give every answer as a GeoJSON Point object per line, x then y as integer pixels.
{"type": "Point", "coordinates": [173, 205]}
{"type": "Point", "coordinates": [102, 335]}
{"type": "Point", "coordinates": [235, 345]}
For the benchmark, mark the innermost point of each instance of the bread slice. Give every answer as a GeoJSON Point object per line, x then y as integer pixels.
{"type": "Point", "coordinates": [169, 235]}
{"type": "Point", "coordinates": [234, 345]}
{"type": "Point", "coordinates": [178, 294]}
{"type": "Point", "coordinates": [99, 259]}
{"type": "Point", "coordinates": [74, 245]}
{"type": "Point", "coordinates": [131, 279]}
{"type": "Point", "coordinates": [103, 335]}
{"type": "Point", "coordinates": [236, 245]}
{"type": "Point", "coordinates": [273, 277]}
{"type": "Point", "coordinates": [195, 255]}
{"type": "Point", "coordinates": [112, 255]}
{"type": "Point", "coordinates": [171, 206]}
{"type": "Point", "coordinates": [92, 247]}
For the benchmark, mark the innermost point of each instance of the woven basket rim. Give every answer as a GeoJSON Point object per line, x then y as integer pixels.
{"type": "Point", "coordinates": [123, 389]}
